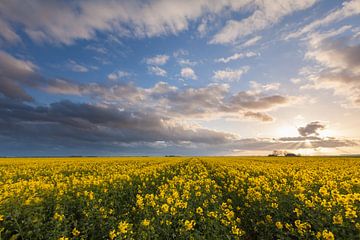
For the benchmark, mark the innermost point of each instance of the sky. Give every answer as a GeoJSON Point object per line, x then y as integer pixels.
{"type": "Point", "coordinates": [179, 77]}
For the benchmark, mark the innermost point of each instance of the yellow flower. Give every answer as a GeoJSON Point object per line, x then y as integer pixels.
{"type": "Point", "coordinates": [298, 212]}
{"type": "Point", "coordinates": [75, 232]}
{"type": "Point", "coordinates": [199, 210]}
{"type": "Point", "coordinates": [274, 205]}
{"type": "Point", "coordinates": [165, 208]}
{"type": "Point", "coordinates": [63, 238]}
{"type": "Point", "coordinates": [337, 219]}
{"type": "Point", "coordinates": [139, 201]}
{"type": "Point", "coordinates": [145, 222]}
{"type": "Point", "coordinates": [279, 225]}
{"type": "Point", "coordinates": [112, 234]}
{"type": "Point", "coordinates": [169, 200]}
{"type": "Point", "coordinates": [268, 218]}
{"type": "Point", "coordinates": [189, 225]}
{"type": "Point", "coordinates": [328, 235]}
{"type": "Point", "coordinates": [1, 218]}
{"type": "Point", "coordinates": [323, 191]}
{"type": "Point", "coordinates": [59, 217]}
{"type": "Point", "coordinates": [123, 227]}
{"type": "Point", "coordinates": [237, 231]}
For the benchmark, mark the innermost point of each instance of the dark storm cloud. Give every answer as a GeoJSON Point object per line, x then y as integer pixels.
{"type": "Point", "coordinates": [89, 123]}
{"type": "Point", "coordinates": [311, 129]}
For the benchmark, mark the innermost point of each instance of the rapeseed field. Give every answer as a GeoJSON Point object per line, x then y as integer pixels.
{"type": "Point", "coordinates": [180, 198]}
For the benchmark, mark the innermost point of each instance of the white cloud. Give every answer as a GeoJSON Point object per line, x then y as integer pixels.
{"type": "Point", "coordinates": [250, 42]}
{"type": "Point", "coordinates": [258, 87]}
{"type": "Point", "coordinates": [186, 62]}
{"type": "Point", "coordinates": [266, 13]}
{"type": "Point", "coordinates": [188, 73]}
{"type": "Point", "coordinates": [84, 19]}
{"type": "Point", "coordinates": [236, 56]}
{"type": "Point", "coordinates": [118, 75]}
{"type": "Point", "coordinates": [157, 60]}
{"type": "Point", "coordinates": [76, 67]}
{"type": "Point", "coordinates": [348, 9]}
{"type": "Point", "coordinates": [230, 74]}
{"type": "Point", "coordinates": [157, 71]}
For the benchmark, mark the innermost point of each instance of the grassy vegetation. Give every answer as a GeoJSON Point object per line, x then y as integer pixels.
{"type": "Point", "coordinates": [180, 198]}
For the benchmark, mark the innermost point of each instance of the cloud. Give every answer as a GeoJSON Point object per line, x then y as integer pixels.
{"type": "Point", "coordinates": [264, 15]}
{"type": "Point", "coordinates": [158, 71]}
{"type": "Point", "coordinates": [117, 75]}
{"type": "Point", "coordinates": [250, 42]}
{"type": "Point", "coordinates": [230, 74]}
{"type": "Point", "coordinates": [60, 126]}
{"type": "Point", "coordinates": [311, 129]}
{"type": "Point", "coordinates": [84, 19]}
{"type": "Point", "coordinates": [339, 63]}
{"type": "Point", "coordinates": [76, 67]}
{"type": "Point", "coordinates": [14, 74]}
{"type": "Point", "coordinates": [212, 101]}
{"type": "Point", "coordinates": [263, 117]}
{"type": "Point", "coordinates": [157, 60]}
{"type": "Point", "coordinates": [267, 144]}
{"type": "Point", "coordinates": [66, 123]}
{"type": "Point", "coordinates": [7, 33]}
{"type": "Point", "coordinates": [349, 9]}
{"type": "Point", "coordinates": [186, 62]}
{"type": "Point", "coordinates": [258, 88]}
{"type": "Point", "coordinates": [250, 100]}
{"type": "Point", "coordinates": [236, 56]}
{"type": "Point", "coordinates": [188, 72]}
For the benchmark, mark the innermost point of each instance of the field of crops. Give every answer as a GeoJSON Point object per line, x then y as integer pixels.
{"type": "Point", "coordinates": [180, 198]}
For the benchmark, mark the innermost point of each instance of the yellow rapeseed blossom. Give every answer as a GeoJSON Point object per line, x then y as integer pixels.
{"type": "Point", "coordinates": [183, 197]}
{"type": "Point", "coordinates": [337, 219]}
{"type": "Point", "coordinates": [75, 232]}
{"type": "Point", "coordinates": [189, 225]}
{"type": "Point", "coordinates": [123, 227]}
{"type": "Point", "coordinates": [279, 225]}
{"type": "Point", "coordinates": [112, 234]}
{"type": "Point", "coordinates": [328, 235]}
{"type": "Point", "coordinates": [145, 222]}
{"type": "Point", "coordinates": [199, 210]}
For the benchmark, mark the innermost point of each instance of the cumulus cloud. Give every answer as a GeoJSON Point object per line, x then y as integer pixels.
{"type": "Point", "coordinates": [188, 72]}
{"type": "Point", "coordinates": [230, 74]}
{"type": "Point", "coordinates": [236, 56]}
{"type": "Point", "coordinates": [186, 62]}
{"type": "Point", "coordinates": [157, 60]}
{"type": "Point", "coordinates": [117, 75]}
{"type": "Point", "coordinates": [158, 71]}
{"type": "Point", "coordinates": [265, 14]}
{"type": "Point", "coordinates": [311, 129]}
